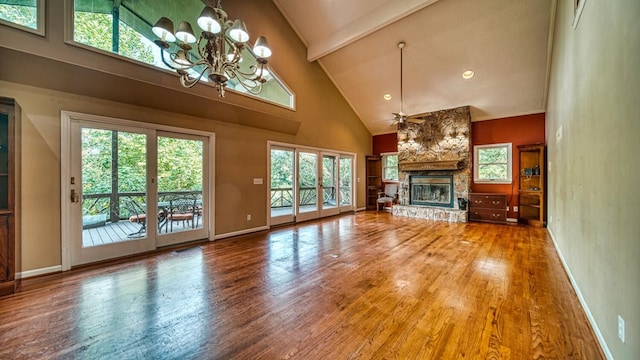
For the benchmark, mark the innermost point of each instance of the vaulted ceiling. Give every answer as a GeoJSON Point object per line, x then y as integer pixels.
{"type": "Point", "coordinates": [506, 42]}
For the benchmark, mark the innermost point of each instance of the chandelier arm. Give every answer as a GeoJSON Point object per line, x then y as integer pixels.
{"type": "Point", "coordinates": [164, 61]}
{"type": "Point", "coordinates": [188, 81]}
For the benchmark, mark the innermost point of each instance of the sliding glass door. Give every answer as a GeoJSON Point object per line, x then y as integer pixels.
{"type": "Point", "coordinates": [329, 181]}
{"type": "Point", "coordinates": [133, 189]}
{"type": "Point", "coordinates": [110, 190]}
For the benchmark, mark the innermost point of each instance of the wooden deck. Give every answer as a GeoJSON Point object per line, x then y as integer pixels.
{"type": "Point", "coordinates": [122, 231]}
{"type": "Point", "coordinates": [363, 286]}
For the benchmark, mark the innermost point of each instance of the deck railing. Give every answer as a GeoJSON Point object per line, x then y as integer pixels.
{"type": "Point", "coordinates": [110, 205]}
{"type": "Point", "coordinates": [283, 197]}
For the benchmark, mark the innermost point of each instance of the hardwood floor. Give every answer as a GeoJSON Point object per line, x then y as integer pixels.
{"type": "Point", "coordinates": [363, 286]}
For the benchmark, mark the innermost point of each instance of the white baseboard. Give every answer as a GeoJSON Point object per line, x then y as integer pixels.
{"type": "Point", "coordinates": [37, 272]}
{"type": "Point", "coordinates": [592, 320]}
{"type": "Point", "coordinates": [513, 220]}
{"type": "Point", "coordinates": [240, 232]}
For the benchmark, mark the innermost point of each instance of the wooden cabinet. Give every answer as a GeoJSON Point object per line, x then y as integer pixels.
{"type": "Point", "coordinates": [488, 207]}
{"type": "Point", "coordinates": [531, 187]}
{"type": "Point", "coordinates": [374, 180]}
{"type": "Point", "coordinates": [9, 184]}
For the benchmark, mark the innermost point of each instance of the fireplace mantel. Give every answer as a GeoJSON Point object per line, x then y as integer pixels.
{"type": "Point", "coordinates": [429, 165]}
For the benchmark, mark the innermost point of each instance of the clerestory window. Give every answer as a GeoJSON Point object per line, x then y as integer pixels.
{"type": "Point", "coordinates": [23, 14]}
{"type": "Point", "coordinates": [124, 28]}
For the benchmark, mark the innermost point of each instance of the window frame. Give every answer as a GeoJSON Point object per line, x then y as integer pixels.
{"type": "Point", "coordinates": [383, 157]}
{"type": "Point", "coordinates": [476, 164]}
{"type": "Point", "coordinates": [40, 20]}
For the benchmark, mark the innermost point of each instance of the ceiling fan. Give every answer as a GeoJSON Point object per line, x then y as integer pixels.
{"type": "Point", "coordinates": [401, 117]}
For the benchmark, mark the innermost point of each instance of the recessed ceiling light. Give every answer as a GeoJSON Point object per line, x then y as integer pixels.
{"type": "Point", "coordinates": [468, 74]}
{"type": "Point", "coordinates": [387, 97]}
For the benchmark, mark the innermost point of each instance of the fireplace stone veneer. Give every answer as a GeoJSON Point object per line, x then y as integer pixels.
{"type": "Point", "coordinates": [438, 147]}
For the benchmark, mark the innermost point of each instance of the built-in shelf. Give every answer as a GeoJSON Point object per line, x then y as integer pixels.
{"type": "Point", "coordinates": [531, 189]}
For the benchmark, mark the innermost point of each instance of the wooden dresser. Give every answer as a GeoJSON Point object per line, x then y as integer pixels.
{"type": "Point", "coordinates": [489, 207]}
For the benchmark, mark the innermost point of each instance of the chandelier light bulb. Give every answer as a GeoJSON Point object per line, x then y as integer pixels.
{"type": "Point", "coordinates": [164, 29]}
{"type": "Point", "coordinates": [261, 48]}
{"type": "Point", "coordinates": [208, 21]}
{"type": "Point", "coordinates": [238, 32]}
{"type": "Point", "coordinates": [185, 33]}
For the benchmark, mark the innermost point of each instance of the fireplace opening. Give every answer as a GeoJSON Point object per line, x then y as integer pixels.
{"type": "Point", "coordinates": [431, 190]}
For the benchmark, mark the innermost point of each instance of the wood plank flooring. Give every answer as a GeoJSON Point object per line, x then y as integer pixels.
{"type": "Point", "coordinates": [362, 286]}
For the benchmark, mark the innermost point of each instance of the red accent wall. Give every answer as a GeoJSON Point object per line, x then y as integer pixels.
{"type": "Point", "coordinates": [517, 130]}
{"type": "Point", "coordinates": [385, 143]}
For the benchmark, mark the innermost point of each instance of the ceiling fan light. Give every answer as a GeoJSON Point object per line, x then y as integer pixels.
{"type": "Point", "coordinates": [164, 29]}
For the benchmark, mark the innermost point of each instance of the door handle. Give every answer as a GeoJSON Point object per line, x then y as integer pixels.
{"type": "Point", "coordinates": [75, 198]}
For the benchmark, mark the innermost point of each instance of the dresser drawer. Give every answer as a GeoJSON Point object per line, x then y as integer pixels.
{"type": "Point", "coordinates": [488, 201]}
{"type": "Point", "coordinates": [488, 215]}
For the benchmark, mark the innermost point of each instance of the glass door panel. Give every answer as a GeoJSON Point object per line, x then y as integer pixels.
{"type": "Point", "coordinates": [307, 186]}
{"type": "Point", "coordinates": [110, 166]}
{"type": "Point", "coordinates": [282, 198]}
{"type": "Point", "coordinates": [329, 184]}
{"type": "Point", "coordinates": [181, 172]}
{"type": "Point", "coordinates": [346, 183]}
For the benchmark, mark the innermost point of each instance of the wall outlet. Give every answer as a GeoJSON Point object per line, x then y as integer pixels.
{"type": "Point", "coordinates": [515, 209]}
{"type": "Point", "coordinates": [248, 217]}
{"type": "Point", "coordinates": [621, 328]}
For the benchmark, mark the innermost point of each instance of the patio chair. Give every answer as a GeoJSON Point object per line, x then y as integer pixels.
{"type": "Point", "coordinates": [182, 208]}
{"type": "Point", "coordinates": [136, 215]}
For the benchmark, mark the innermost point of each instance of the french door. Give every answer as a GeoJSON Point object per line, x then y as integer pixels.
{"type": "Point", "coordinates": [308, 183]}
{"type": "Point", "coordinates": [131, 189]}
{"type": "Point", "coordinates": [282, 198]}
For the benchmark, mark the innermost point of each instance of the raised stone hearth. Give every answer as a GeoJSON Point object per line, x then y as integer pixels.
{"type": "Point", "coordinates": [441, 145]}
{"type": "Point", "coordinates": [431, 213]}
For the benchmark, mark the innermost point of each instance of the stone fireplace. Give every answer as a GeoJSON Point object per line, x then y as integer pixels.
{"type": "Point", "coordinates": [435, 165]}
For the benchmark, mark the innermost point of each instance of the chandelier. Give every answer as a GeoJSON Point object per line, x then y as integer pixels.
{"type": "Point", "coordinates": [217, 53]}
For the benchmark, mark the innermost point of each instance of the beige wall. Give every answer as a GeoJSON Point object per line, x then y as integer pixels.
{"type": "Point", "coordinates": [45, 76]}
{"type": "Point", "coordinates": [594, 200]}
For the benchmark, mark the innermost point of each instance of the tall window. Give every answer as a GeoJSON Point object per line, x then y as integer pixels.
{"type": "Point", "coordinates": [23, 14]}
{"type": "Point", "coordinates": [492, 163]}
{"type": "Point", "coordinates": [123, 27]}
{"type": "Point", "coordinates": [390, 166]}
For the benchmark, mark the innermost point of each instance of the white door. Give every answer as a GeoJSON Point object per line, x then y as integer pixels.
{"type": "Point", "coordinates": [346, 184]}
{"type": "Point", "coordinates": [308, 194]}
{"type": "Point", "coordinates": [182, 190]}
{"type": "Point", "coordinates": [329, 185]}
{"type": "Point", "coordinates": [109, 192]}
{"type": "Point", "coordinates": [282, 167]}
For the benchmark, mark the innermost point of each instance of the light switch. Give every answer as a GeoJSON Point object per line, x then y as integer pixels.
{"type": "Point", "coordinates": [257, 181]}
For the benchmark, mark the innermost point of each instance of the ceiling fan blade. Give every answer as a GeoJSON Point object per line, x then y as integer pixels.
{"type": "Point", "coordinates": [416, 120]}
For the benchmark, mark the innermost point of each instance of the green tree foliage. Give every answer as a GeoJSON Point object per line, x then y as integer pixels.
{"type": "Point", "coordinates": [179, 164]}
{"type": "Point", "coordinates": [281, 169]}
{"type": "Point", "coordinates": [95, 30]}
{"type": "Point", "coordinates": [492, 163]}
{"type": "Point", "coordinates": [21, 15]}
